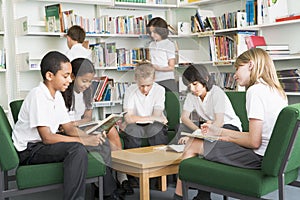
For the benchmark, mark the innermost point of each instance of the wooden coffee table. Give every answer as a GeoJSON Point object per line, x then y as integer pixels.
{"type": "Point", "coordinates": [146, 163]}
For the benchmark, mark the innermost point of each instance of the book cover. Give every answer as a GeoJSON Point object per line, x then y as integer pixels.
{"type": "Point", "coordinates": [254, 40]}
{"type": "Point", "coordinates": [101, 125]}
{"type": "Point", "coordinates": [101, 87]}
{"type": "Point", "coordinates": [54, 21]}
{"type": "Point", "coordinates": [199, 135]}
{"type": "Point", "coordinates": [287, 18]}
{"type": "Point", "coordinates": [68, 20]}
{"type": "Point", "coordinates": [275, 9]}
{"type": "Point", "coordinates": [271, 47]}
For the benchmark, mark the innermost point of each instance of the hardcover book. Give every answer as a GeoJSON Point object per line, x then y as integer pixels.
{"type": "Point", "coordinates": [101, 125]}
{"type": "Point", "coordinates": [54, 22]}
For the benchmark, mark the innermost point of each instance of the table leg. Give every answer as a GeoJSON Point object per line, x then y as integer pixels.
{"type": "Point", "coordinates": [144, 186]}
{"type": "Point", "coordinates": [163, 183]}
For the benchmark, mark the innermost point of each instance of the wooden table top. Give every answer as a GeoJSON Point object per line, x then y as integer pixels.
{"type": "Point", "coordinates": [146, 157]}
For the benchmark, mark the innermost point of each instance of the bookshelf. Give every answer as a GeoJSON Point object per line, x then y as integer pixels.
{"type": "Point", "coordinates": [28, 41]}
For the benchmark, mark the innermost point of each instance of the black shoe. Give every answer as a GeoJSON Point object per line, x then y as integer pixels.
{"type": "Point", "coordinates": [114, 196]}
{"type": "Point", "coordinates": [177, 197]}
{"type": "Point", "coordinates": [134, 182]}
{"type": "Point", "coordinates": [126, 186]}
{"type": "Point", "coordinates": [202, 195]}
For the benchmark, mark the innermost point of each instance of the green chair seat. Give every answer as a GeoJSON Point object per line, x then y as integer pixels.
{"type": "Point", "coordinates": [252, 183]}
{"type": "Point", "coordinates": [29, 176]}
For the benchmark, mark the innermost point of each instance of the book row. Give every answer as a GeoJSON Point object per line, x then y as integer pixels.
{"type": "Point", "coordinates": [60, 21]}
{"type": "Point", "coordinates": [107, 55]}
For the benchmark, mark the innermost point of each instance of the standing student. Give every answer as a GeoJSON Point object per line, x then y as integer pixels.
{"type": "Point", "coordinates": [76, 44]}
{"type": "Point", "coordinates": [144, 103]}
{"type": "Point", "coordinates": [42, 111]}
{"type": "Point", "coordinates": [162, 53]}
{"type": "Point", "coordinates": [265, 98]}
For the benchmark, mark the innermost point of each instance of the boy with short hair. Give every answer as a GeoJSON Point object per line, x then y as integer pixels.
{"type": "Point", "coordinates": [144, 103]}
{"type": "Point", "coordinates": [43, 110]}
{"type": "Point", "coordinates": [78, 48]}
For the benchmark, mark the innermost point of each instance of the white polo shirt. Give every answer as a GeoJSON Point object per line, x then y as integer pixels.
{"type": "Point", "coordinates": [38, 109]}
{"type": "Point", "coordinates": [215, 101]}
{"type": "Point", "coordinates": [144, 105]}
{"type": "Point", "coordinates": [78, 51]}
{"type": "Point", "coordinates": [160, 53]}
{"type": "Point", "coordinates": [264, 103]}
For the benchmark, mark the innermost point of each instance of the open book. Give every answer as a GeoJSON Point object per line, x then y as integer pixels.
{"type": "Point", "coordinates": [198, 134]}
{"type": "Point", "coordinates": [172, 147]}
{"type": "Point", "coordinates": [101, 125]}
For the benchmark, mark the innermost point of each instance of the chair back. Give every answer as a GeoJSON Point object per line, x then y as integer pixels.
{"type": "Point", "coordinates": [172, 108]}
{"type": "Point", "coordinates": [8, 155]}
{"type": "Point", "coordinates": [283, 154]}
{"type": "Point", "coordinates": [15, 107]}
{"type": "Point", "coordinates": [238, 102]}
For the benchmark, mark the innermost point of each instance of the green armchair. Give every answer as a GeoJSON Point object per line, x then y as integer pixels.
{"type": "Point", "coordinates": [280, 166]}
{"type": "Point", "coordinates": [40, 177]}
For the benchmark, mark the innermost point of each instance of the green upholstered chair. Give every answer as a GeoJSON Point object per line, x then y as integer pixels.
{"type": "Point", "coordinates": [280, 165]}
{"type": "Point", "coordinates": [173, 111]}
{"type": "Point", "coordinates": [238, 100]}
{"type": "Point", "coordinates": [40, 177]}
{"type": "Point", "coordinates": [15, 107]}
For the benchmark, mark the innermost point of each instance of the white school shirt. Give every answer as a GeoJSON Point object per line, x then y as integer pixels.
{"type": "Point", "coordinates": [215, 101]}
{"type": "Point", "coordinates": [160, 53]}
{"type": "Point", "coordinates": [144, 105]}
{"type": "Point", "coordinates": [265, 104]}
{"type": "Point", "coordinates": [78, 51]}
{"type": "Point", "coordinates": [38, 109]}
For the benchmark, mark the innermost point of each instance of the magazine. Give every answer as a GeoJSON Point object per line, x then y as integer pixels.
{"type": "Point", "coordinates": [198, 134]}
{"type": "Point", "coordinates": [101, 125]}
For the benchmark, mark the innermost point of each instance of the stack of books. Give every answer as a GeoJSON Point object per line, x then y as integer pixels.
{"type": "Point", "coordinates": [290, 79]}
{"type": "Point", "coordinates": [276, 49]}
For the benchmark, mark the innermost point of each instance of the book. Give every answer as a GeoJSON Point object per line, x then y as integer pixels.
{"type": "Point", "coordinates": [274, 47]}
{"type": "Point", "coordinates": [287, 18]}
{"type": "Point", "coordinates": [101, 125]}
{"type": "Point", "coordinates": [54, 22]}
{"type": "Point", "coordinates": [100, 88]}
{"type": "Point", "coordinates": [254, 40]}
{"type": "Point", "coordinates": [172, 147]}
{"type": "Point", "coordinates": [199, 135]}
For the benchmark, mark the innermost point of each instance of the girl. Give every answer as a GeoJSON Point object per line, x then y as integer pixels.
{"type": "Point", "coordinates": [265, 98]}
{"type": "Point", "coordinates": [162, 53]}
{"type": "Point", "coordinates": [78, 98]}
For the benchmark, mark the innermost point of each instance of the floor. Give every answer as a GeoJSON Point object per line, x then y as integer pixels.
{"type": "Point", "coordinates": [292, 193]}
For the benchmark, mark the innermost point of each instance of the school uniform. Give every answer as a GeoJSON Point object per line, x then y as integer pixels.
{"type": "Point", "coordinates": [78, 51]}
{"type": "Point", "coordinates": [41, 109]}
{"type": "Point", "coordinates": [141, 105]}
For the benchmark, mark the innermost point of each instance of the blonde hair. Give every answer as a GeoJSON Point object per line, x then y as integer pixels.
{"type": "Point", "coordinates": [144, 71]}
{"type": "Point", "coordinates": [263, 67]}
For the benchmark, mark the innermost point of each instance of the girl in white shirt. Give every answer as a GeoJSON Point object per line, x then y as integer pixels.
{"type": "Point", "coordinates": [162, 53]}
{"type": "Point", "coordinates": [265, 98]}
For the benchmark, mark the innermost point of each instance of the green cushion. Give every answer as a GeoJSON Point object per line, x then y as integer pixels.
{"type": "Point", "coordinates": [238, 101]}
{"type": "Point", "coordinates": [172, 108]}
{"type": "Point", "coordinates": [8, 157]}
{"type": "Point", "coordinates": [29, 176]}
{"type": "Point", "coordinates": [279, 141]}
{"type": "Point", "coordinates": [15, 107]}
{"type": "Point", "coordinates": [244, 181]}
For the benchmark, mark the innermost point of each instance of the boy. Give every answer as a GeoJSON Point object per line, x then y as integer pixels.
{"type": "Point", "coordinates": [78, 48]}
{"type": "Point", "coordinates": [42, 112]}
{"type": "Point", "coordinates": [144, 103]}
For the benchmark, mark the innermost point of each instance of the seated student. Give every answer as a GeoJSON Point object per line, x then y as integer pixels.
{"type": "Point", "coordinates": [78, 48]}
{"type": "Point", "coordinates": [78, 100]}
{"type": "Point", "coordinates": [42, 111]}
{"type": "Point", "coordinates": [144, 103]}
{"type": "Point", "coordinates": [265, 98]}
{"type": "Point", "coordinates": [40, 115]}
{"type": "Point", "coordinates": [210, 103]}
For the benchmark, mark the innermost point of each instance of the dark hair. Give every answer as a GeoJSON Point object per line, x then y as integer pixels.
{"type": "Point", "coordinates": [80, 67]}
{"type": "Point", "coordinates": [160, 25]}
{"type": "Point", "coordinates": [198, 72]}
{"type": "Point", "coordinates": [51, 62]}
{"type": "Point", "coordinates": [76, 33]}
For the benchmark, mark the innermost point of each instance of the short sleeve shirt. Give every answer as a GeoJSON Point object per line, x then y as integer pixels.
{"type": "Point", "coordinates": [144, 105]}
{"type": "Point", "coordinates": [160, 53]}
{"type": "Point", "coordinates": [264, 103]}
{"type": "Point", "coordinates": [215, 101]}
{"type": "Point", "coordinates": [38, 109]}
{"type": "Point", "coordinates": [78, 51]}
